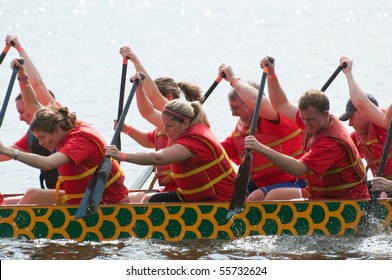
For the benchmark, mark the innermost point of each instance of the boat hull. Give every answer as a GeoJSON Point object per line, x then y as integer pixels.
{"type": "Point", "coordinates": [181, 221]}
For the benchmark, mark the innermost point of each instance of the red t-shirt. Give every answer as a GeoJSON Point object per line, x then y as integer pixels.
{"type": "Point", "coordinates": [22, 143]}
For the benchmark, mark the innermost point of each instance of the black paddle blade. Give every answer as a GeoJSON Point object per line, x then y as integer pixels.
{"type": "Point", "coordinates": [93, 194]}
{"type": "Point", "coordinates": [238, 198]}
{"type": "Point", "coordinates": [373, 208]}
{"type": "Point", "coordinates": [371, 222]}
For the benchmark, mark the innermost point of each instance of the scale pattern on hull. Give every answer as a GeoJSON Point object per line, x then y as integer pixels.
{"type": "Point", "coordinates": [180, 221]}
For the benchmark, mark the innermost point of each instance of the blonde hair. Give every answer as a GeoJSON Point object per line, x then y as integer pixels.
{"type": "Point", "coordinates": [180, 110]}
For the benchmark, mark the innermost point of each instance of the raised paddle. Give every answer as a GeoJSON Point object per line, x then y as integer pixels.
{"type": "Point", "coordinates": [333, 76]}
{"type": "Point", "coordinates": [94, 191]}
{"type": "Point", "coordinates": [238, 198]}
{"type": "Point", "coordinates": [5, 51]}
{"type": "Point", "coordinates": [212, 87]}
{"type": "Point", "coordinates": [9, 90]}
{"type": "Point", "coordinates": [121, 97]}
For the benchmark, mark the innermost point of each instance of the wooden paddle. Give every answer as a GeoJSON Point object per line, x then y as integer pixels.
{"type": "Point", "coordinates": [238, 198]}
{"type": "Point", "coordinates": [9, 90]}
{"type": "Point", "coordinates": [121, 96]}
{"type": "Point", "coordinates": [5, 51]}
{"type": "Point", "coordinates": [212, 87]}
{"type": "Point", "coordinates": [94, 191]}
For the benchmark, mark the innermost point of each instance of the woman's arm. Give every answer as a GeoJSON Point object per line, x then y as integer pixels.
{"type": "Point", "coordinates": [173, 154]}
{"type": "Point", "coordinates": [6, 158]}
{"type": "Point", "coordinates": [37, 161]}
{"type": "Point", "coordinates": [152, 91]}
{"type": "Point", "coordinates": [35, 78]}
{"type": "Point", "coordinates": [145, 106]}
{"type": "Point", "coordinates": [28, 94]}
{"type": "Point", "coordinates": [140, 137]}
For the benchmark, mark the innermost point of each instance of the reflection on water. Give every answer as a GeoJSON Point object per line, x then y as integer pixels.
{"type": "Point", "coordinates": [377, 247]}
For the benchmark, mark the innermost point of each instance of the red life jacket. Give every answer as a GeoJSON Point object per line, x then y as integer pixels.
{"type": "Point", "coordinates": [337, 182]}
{"type": "Point", "coordinates": [209, 176]}
{"type": "Point", "coordinates": [371, 148]}
{"type": "Point", "coordinates": [163, 172]}
{"type": "Point", "coordinates": [75, 178]}
{"type": "Point", "coordinates": [285, 138]}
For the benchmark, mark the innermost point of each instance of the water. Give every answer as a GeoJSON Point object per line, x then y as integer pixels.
{"type": "Point", "coordinates": [75, 46]}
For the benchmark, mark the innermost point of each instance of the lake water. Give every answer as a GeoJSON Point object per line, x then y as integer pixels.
{"type": "Point", "coordinates": [75, 45]}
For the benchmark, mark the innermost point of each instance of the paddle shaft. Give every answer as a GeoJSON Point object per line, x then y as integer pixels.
{"type": "Point", "coordinates": [121, 96]}
{"type": "Point", "coordinates": [238, 198]}
{"type": "Point", "coordinates": [212, 87]}
{"type": "Point", "coordinates": [8, 93]}
{"type": "Point", "coordinates": [333, 76]}
{"type": "Point", "coordinates": [96, 187]}
{"type": "Point", "coordinates": [5, 51]}
{"type": "Point", "coordinates": [258, 103]}
{"type": "Point", "coordinates": [255, 116]}
{"type": "Point", "coordinates": [124, 113]}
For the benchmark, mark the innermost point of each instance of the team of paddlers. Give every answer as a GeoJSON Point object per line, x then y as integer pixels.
{"type": "Point", "coordinates": [300, 151]}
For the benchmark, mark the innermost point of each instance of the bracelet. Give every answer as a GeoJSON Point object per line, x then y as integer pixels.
{"type": "Point", "coordinates": [20, 48]}
{"type": "Point", "coordinates": [23, 86]}
{"type": "Point", "coordinates": [272, 76]}
{"type": "Point", "coordinates": [129, 130]}
{"type": "Point", "coordinates": [234, 81]}
{"type": "Point", "coordinates": [122, 156]}
{"type": "Point", "coordinates": [16, 154]}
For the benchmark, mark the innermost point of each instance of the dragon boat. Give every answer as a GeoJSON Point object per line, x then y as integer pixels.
{"type": "Point", "coordinates": [181, 221]}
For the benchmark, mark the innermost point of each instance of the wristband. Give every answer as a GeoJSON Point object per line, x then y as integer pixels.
{"type": "Point", "coordinates": [234, 81]}
{"type": "Point", "coordinates": [20, 48]}
{"type": "Point", "coordinates": [23, 86]}
{"type": "Point", "coordinates": [129, 130]}
{"type": "Point", "coordinates": [272, 76]}
{"type": "Point", "coordinates": [122, 156]}
{"type": "Point", "coordinates": [16, 154]}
